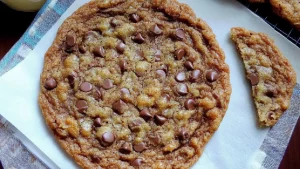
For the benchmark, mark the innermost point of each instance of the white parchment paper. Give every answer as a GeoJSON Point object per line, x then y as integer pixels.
{"type": "Point", "coordinates": [235, 145]}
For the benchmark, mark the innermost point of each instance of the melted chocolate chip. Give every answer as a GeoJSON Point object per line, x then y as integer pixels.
{"type": "Point", "coordinates": [138, 38]}
{"type": "Point", "coordinates": [82, 48]}
{"type": "Point", "coordinates": [126, 148]}
{"type": "Point", "coordinates": [86, 87]}
{"type": "Point", "coordinates": [182, 89]}
{"type": "Point", "coordinates": [164, 68]}
{"type": "Point", "coordinates": [139, 147]}
{"type": "Point", "coordinates": [123, 65]}
{"type": "Point", "coordinates": [161, 74]}
{"type": "Point", "coordinates": [97, 94]}
{"type": "Point", "coordinates": [179, 34]}
{"type": "Point", "coordinates": [99, 51]}
{"type": "Point", "coordinates": [253, 79]}
{"type": "Point", "coordinates": [167, 97]}
{"type": "Point", "coordinates": [140, 53]}
{"type": "Point", "coordinates": [183, 134]}
{"type": "Point", "coordinates": [179, 54]}
{"type": "Point", "coordinates": [160, 120]}
{"type": "Point", "coordinates": [211, 76]}
{"type": "Point", "coordinates": [190, 104]}
{"type": "Point", "coordinates": [196, 75]}
{"type": "Point", "coordinates": [119, 106]}
{"type": "Point", "coordinates": [50, 84]}
{"type": "Point", "coordinates": [154, 138]}
{"type": "Point", "coordinates": [271, 92]}
{"type": "Point", "coordinates": [95, 159]}
{"type": "Point", "coordinates": [135, 18]}
{"type": "Point", "coordinates": [156, 30]}
{"type": "Point", "coordinates": [121, 47]}
{"type": "Point", "coordinates": [82, 106]}
{"type": "Point", "coordinates": [71, 79]}
{"type": "Point", "coordinates": [108, 84]}
{"type": "Point", "coordinates": [137, 162]}
{"type": "Point", "coordinates": [180, 77]}
{"type": "Point", "coordinates": [157, 55]}
{"type": "Point", "coordinates": [108, 138]}
{"type": "Point", "coordinates": [97, 122]}
{"type": "Point", "coordinates": [270, 115]}
{"type": "Point", "coordinates": [124, 92]}
{"type": "Point", "coordinates": [70, 40]}
{"type": "Point", "coordinates": [146, 114]}
{"type": "Point", "coordinates": [135, 124]}
{"type": "Point", "coordinates": [188, 65]}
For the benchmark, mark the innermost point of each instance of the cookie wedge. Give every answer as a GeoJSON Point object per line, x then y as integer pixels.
{"type": "Point", "coordinates": [271, 75]}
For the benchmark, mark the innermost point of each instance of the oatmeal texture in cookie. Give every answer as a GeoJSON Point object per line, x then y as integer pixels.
{"type": "Point", "coordinates": [134, 84]}
{"type": "Point", "coordinates": [270, 74]}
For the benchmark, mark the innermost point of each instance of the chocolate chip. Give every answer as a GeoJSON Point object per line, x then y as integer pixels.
{"type": "Point", "coordinates": [99, 51]}
{"type": "Point", "coordinates": [139, 147]}
{"type": "Point", "coordinates": [179, 34]}
{"type": "Point", "coordinates": [138, 38]}
{"type": "Point", "coordinates": [90, 35]}
{"type": "Point", "coordinates": [108, 138]}
{"type": "Point", "coordinates": [211, 76]}
{"type": "Point", "coordinates": [271, 92]}
{"type": "Point", "coordinates": [188, 65]}
{"type": "Point", "coordinates": [123, 65]}
{"type": "Point", "coordinates": [253, 79]}
{"type": "Point", "coordinates": [270, 115]}
{"type": "Point", "coordinates": [183, 134]}
{"type": "Point", "coordinates": [182, 89]}
{"type": "Point", "coordinates": [97, 94]}
{"type": "Point", "coordinates": [50, 84]}
{"type": "Point", "coordinates": [126, 148]}
{"type": "Point", "coordinates": [190, 104]}
{"type": "Point", "coordinates": [196, 75]}
{"type": "Point", "coordinates": [82, 48]}
{"type": "Point", "coordinates": [86, 87]}
{"type": "Point", "coordinates": [124, 92]}
{"type": "Point", "coordinates": [140, 53]}
{"type": "Point", "coordinates": [179, 54]}
{"type": "Point", "coordinates": [119, 106]}
{"type": "Point", "coordinates": [164, 68]}
{"type": "Point", "coordinates": [156, 30]}
{"type": "Point", "coordinates": [95, 159]}
{"type": "Point", "coordinates": [180, 77]}
{"type": "Point", "coordinates": [108, 84]}
{"type": "Point", "coordinates": [121, 47]}
{"type": "Point", "coordinates": [154, 138]}
{"type": "Point", "coordinates": [167, 97]}
{"type": "Point", "coordinates": [70, 40]}
{"type": "Point", "coordinates": [82, 106]}
{"type": "Point", "coordinates": [160, 120]}
{"type": "Point", "coordinates": [97, 122]}
{"type": "Point", "coordinates": [146, 114]}
{"type": "Point", "coordinates": [157, 55]}
{"type": "Point", "coordinates": [135, 124]}
{"type": "Point", "coordinates": [135, 18]}
{"type": "Point", "coordinates": [137, 162]}
{"type": "Point", "coordinates": [161, 74]}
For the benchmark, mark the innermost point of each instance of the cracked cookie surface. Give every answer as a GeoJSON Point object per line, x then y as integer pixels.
{"type": "Point", "coordinates": [271, 75]}
{"type": "Point", "coordinates": [134, 84]}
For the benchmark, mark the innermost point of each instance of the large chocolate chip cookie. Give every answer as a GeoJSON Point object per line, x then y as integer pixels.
{"type": "Point", "coordinates": [134, 84]}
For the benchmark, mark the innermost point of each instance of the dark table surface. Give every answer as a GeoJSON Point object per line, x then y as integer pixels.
{"type": "Point", "coordinates": [14, 24]}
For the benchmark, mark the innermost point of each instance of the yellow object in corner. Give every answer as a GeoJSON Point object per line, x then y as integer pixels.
{"type": "Point", "coordinates": [25, 5]}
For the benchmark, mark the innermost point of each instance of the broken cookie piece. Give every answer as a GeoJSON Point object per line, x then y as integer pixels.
{"type": "Point", "coordinates": [270, 74]}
